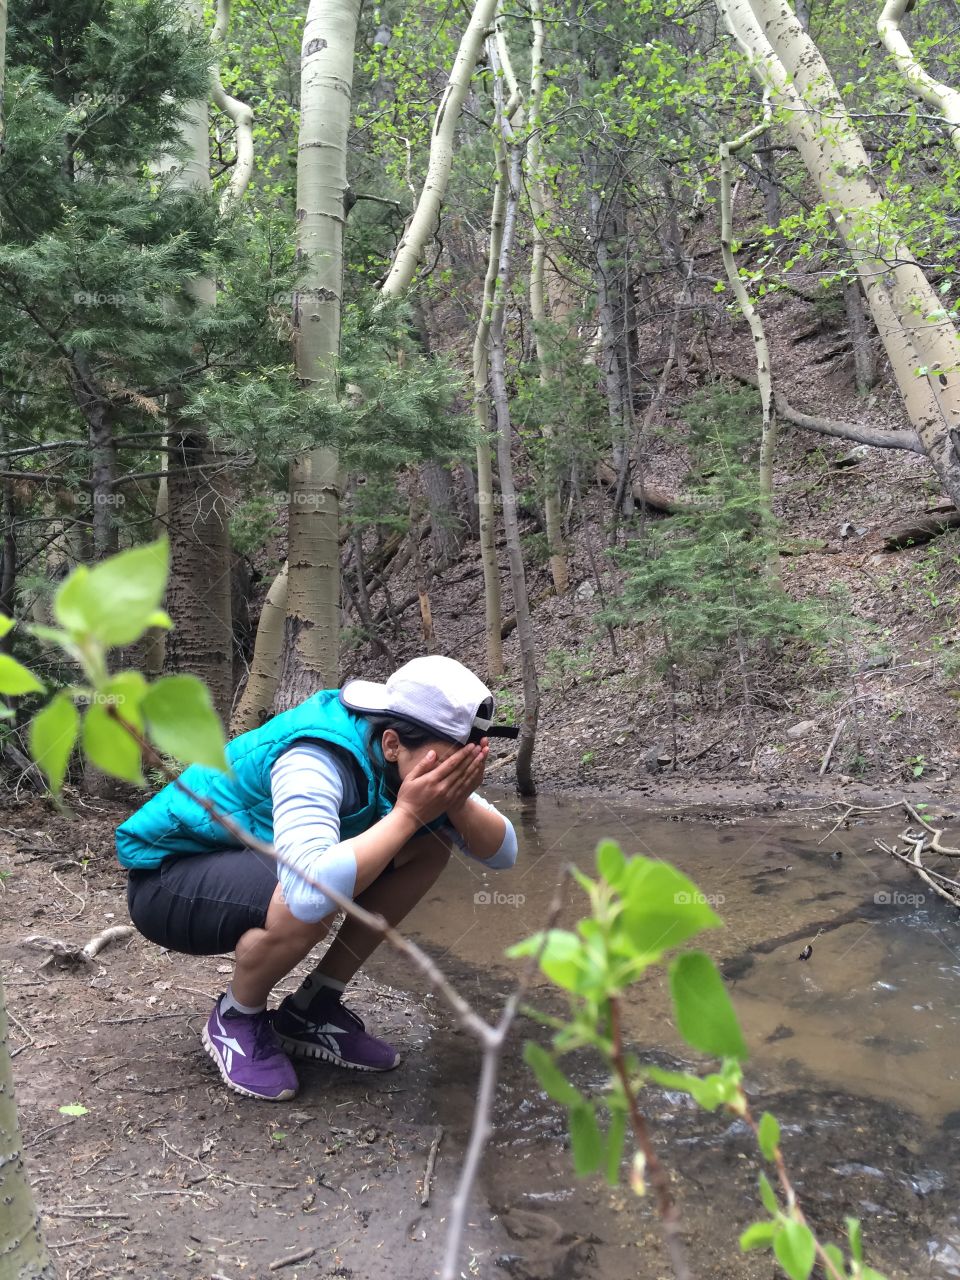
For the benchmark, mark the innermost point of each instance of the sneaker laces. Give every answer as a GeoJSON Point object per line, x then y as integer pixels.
{"type": "Point", "coordinates": [264, 1041]}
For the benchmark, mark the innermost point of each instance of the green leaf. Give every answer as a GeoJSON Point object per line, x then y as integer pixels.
{"type": "Point", "coordinates": [181, 721]}
{"type": "Point", "coordinates": [795, 1249]}
{"type": "Point", "coordinates": [758, 1236]}
{"type": "Point", "coordinates": [768, 1195]}
{"type": "Point", "coordinates": [836, 1257]}
{"type": "Point", "coordinates": [705, 1014]}
{"type": "Point", "coordinates": [585, 1140]}
{"type": "Point", "coordinates": [115, 601]}
{"type": "Point", "coordinates": [107, 743]}
{"type": "Point", "coordinates": [709, 1092]}
{"type": "Point", "coordinates": [768, 1135]}
{"type": "Point", "coordinates": [855, 1236]}
{"type": "Point", "coordinates": [610, 862]}
{"type": "Point", "coordinates": [53, 735]}
{"type": "Point", "coordinates": [6, 625]}
{"type": "Point", "coordinates": [662, 907]}
{"type": "Point", "coordinates": [73, 1109]}
{"type": "Point", "coordinates": [549, 1076]}
{"type": "Point", "coordinates": [616, 1134]}
{"type": "Point", "coordinates": [16, 679]}
{"type": "Point", "coordinates": [559, 958]}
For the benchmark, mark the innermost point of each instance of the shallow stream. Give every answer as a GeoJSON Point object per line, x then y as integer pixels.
{"type": "Point", "coordinates": [856, 1049]}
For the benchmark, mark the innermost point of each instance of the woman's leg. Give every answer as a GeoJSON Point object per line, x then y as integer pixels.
{"type": "Point", "coordinates": [313, 1023]}
{"type": "Point", "coordinates": [266, 955]}
{"type": "Point", "coordinates": [392, 895]}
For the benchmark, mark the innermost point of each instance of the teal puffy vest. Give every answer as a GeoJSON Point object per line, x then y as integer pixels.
{"type": "Point", "coordinates": [174, 823]}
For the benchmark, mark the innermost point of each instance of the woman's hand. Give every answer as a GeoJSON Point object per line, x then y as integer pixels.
{"type": "Point", "coordinates": [431, 789]}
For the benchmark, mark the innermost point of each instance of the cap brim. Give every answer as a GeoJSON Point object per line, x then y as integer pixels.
{"type": "Point", "coordinates": [365, 695]}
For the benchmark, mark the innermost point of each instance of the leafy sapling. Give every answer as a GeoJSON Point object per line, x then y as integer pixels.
{"type": "Point", "coordinates": [641, 908]}
{"type": "Point", "coordinates": [113, 714]}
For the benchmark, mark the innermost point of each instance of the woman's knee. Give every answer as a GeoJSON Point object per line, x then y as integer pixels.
{"type": "Point", "coordinates": [430, 849]}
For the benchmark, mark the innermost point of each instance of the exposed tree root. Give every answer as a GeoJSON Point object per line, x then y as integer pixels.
{"type": "Point", "coordinates": [65, 955]}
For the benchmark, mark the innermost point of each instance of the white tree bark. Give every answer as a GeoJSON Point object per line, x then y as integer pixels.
{"type": "Point", "coordinates": [919, 338]}
{"type": "Point", "coordinates": [513, 151]}
{"type": "Point", "coordinates": [768, 430]}
{"type": "Point", "coordinates": [481, 409]}
{"type": "Point", "coordinates": [258, 693]}
{"type": "Point", "coordinates": [538, 302]}
{"type": "Point", "coordinates": [424, 221]}
{"type": "Point", "coordinates": [23, 1255]}
{"type": "Point", "coordinates": [941, 96]}
{"type": "Point", "coordinates": [239, 112]}
{"type": "Point", "coordinates": [311, 646]}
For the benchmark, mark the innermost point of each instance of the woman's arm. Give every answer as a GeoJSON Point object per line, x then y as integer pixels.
{"type": "Point", "coordinates": [483, 833]}
{"type": "Point", "coordinates": [307, 787]}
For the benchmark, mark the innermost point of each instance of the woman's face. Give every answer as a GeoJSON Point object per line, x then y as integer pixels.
{"type": "Point", "coordinates": [405, 758]}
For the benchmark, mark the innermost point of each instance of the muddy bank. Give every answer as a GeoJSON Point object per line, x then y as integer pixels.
{"type": "Point", "coordinates": [169, 1176]}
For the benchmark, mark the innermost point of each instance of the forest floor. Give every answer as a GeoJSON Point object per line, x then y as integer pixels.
{"type": "Point", "coordinates": [890, 687]}
{"type": "Point", "coordinates": [168, 1175]}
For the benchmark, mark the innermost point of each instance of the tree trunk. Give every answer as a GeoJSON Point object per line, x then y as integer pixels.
{"type": "Point", "coordinates": [199, 599]}
{"type": "Point", "coordinates": [538, 304]}
{"type": "Point", "coordinates": [257, 697]}
{"type": "Point", "coordinates": [920, 340]}
{"type": "Point", "coordinates": [768, 428]}
{"type": "Point", "coordinates": [311, 639]}
{"type": "Point", "coordinates": [446, 527]}
{"type": "Point", "coordinates": [864, 361]}
{"type": "Point", "coordinates": [511, 523]}
{"type": "Point", "coordinates": [23, 1255]}
{"type": "Point", "coordinates": [611, 349]}
{"type": "Point", "coordinates": [486, 511]}
{"type": "Point", "coordinates": [198, 591]}
{"type": "Point", "coordinates": [8, 518]}
{"type": "Point", "coordinates": [423, 223]}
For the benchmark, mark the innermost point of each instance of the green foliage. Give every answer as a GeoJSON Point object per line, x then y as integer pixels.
{"type": "Point", "coordinates": [96, 610]}
{"type": "Point", "coordinates": [641, 908]}
{"type": "Point", "coordinates": [701, 576]}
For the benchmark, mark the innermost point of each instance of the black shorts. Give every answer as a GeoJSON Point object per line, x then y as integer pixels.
{"type": "Point", "coordinates": [202, 903]}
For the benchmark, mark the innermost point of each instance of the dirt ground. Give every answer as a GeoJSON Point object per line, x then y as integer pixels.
{"type": "Point", "coordinates": [167, 1175]}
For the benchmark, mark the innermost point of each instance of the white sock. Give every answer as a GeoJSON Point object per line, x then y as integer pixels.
{"type": "Point", "coordinates": [311, 985]}
{"type": "Point", "coordinates": [229, 1001]}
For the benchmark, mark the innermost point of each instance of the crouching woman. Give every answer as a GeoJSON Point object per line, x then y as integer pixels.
{"type": "Point", "coordinates": [365, 790]}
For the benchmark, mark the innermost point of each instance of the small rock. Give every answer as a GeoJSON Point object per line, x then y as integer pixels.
{"type": "Point", "coordinates": [801, 729]}
{"type": "Point", "coordinates": [585, 591]}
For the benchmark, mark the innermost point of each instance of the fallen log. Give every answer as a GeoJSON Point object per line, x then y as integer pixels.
{"type": "Point", "coordinates": [837, 428]}
{"type": "Point", "coordinates": [920, 529]}
{"type": "Point", "coordinates": [652, 499]}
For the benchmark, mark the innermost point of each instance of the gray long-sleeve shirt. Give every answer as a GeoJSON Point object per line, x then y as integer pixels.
{"type": "Point", "coordinates": [311, 786]}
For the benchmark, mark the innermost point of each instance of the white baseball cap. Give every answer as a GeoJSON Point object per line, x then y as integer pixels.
{"type": "Point", "coordinates": [435, 693]}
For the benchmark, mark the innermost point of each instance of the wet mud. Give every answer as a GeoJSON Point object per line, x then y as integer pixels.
{"type": "Point", "coordinates": [855, 1049]}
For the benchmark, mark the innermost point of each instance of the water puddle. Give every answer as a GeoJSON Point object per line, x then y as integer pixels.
{"type": "Point", "coordinates": [854, 1048]}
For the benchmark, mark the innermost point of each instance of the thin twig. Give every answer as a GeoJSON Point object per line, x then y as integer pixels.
{"type": "Point", "coordinates": [428, 1171]}
{"type": "Point", "coordinates": [666, 1206]}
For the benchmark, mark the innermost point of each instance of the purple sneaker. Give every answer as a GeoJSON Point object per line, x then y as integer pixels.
{"type": "Point", "coordinates": [247, 1054]}
{"type": "Point", "coordinates": [331, 1031]}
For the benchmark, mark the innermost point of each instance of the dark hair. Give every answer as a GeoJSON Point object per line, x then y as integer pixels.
{"type": "Point", "coordinates": [410, 735]}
